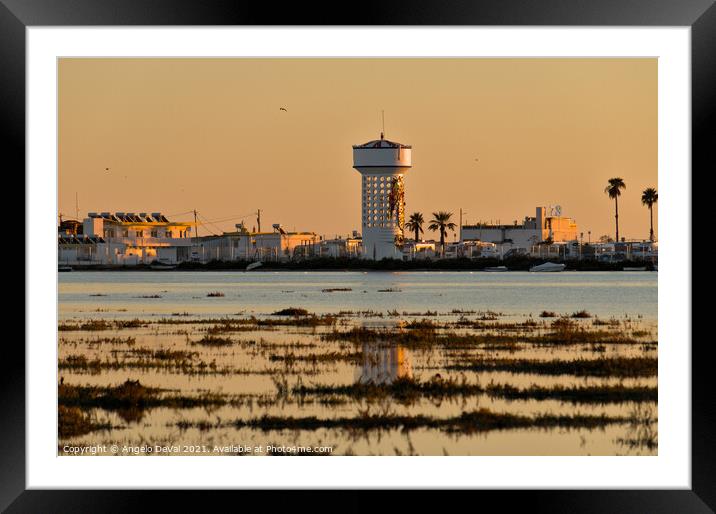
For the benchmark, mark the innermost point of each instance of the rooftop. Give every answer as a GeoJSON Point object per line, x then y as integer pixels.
{"type": "Point", "coordinates": [381, 143]}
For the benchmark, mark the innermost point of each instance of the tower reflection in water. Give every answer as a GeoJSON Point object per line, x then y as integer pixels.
{"type": "Point", "coordinates": [383, 364]}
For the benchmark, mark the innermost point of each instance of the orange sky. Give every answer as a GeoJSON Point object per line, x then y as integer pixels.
{"type": "Point", "coordinates": [207, 134]}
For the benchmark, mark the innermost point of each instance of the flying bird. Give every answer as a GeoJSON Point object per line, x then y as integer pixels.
{"type": "Point", "coordinates": [283, 109]}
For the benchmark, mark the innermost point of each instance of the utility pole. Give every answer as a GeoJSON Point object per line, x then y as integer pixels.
{"type": "Point", "coordinates": [258, 219]}
{"type": "Point", "coordinates": [196, 226]}
{"type": "Point", "coordinates": [460, 224]}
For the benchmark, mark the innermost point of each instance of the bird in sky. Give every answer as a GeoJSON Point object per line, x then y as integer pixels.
{"type": "Point", "coordinates": [283, 109]}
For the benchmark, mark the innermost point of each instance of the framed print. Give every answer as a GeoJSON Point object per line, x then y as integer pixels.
{"type": "Point", "coordinates": [424, 245]}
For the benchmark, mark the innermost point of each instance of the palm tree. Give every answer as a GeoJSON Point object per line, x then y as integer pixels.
{"type": "Point", "coordinates": [614, 190]}
{"type": "Point", "coordinates": [415, 224]}
{"type": "Point", "coordinates": [649, 197]}
{"type": "Point", "coordinates": [441, 222]}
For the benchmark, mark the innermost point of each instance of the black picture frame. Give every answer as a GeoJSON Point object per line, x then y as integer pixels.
{"type": "Point", "coordinates": [17, 15]}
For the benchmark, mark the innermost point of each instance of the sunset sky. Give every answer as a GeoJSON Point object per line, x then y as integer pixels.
{"type": "Point", "coordinates": [208, 134]}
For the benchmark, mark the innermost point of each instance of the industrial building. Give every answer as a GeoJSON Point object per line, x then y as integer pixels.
{"type": "Point", "coordinates": [543, 227]}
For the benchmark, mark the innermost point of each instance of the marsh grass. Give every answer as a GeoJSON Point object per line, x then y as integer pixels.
{"type": "Point", "coordinates": [600, 367]}
{"type": "Point", "coordinates": [409, 390]}
{"type": "Point", "coordinates": [481, 420]}
{"type": "Point", "coordinates": [425, 334]}
{"type": "Point", "coordinates": [601, 394]}
{"type": "Point", "coordinates": [132, 395]}
{"type": "Point", "coordinates": [643, 431]}
{"type": "Point", "coordinates": [73, 422]}
{"type": "Point", "coordinates": [291, 357]}
{"type": "Point", "coordinates": [291, 311]}
{"type": "Point", "coordinates": [214, 341]}
{"type": "Point", "coordinates": [100, 341]}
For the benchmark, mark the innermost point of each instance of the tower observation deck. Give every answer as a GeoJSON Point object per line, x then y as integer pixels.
{"type": "Point", "coordinates": [382, 165]}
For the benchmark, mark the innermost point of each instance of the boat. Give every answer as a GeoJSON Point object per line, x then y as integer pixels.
{"type": "Point", "coordinates": [64, 268]}
{"type": "Point", "coordinates": [548, 267]}
{"type": "Point", "coordinates": [634, 268]}
{"type": "Point", "coordinates": [254, 265]}
{"type": "Point", "coordinates": [496, 268]}
{"type": "Point", "coordinates": [161, 266]}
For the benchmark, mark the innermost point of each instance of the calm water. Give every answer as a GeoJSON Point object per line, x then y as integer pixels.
{"type": "Point", "coordinates": [257, 365]}
{"type": "Point", "coordinates": [604, 294]}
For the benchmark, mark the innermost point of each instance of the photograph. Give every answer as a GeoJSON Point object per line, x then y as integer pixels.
{"type": "Point", "coordinates": [357, 256]}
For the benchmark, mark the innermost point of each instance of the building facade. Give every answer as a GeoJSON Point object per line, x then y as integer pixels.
{"type": "Point", "coordinates": [125, 239]}
{"type": "Point", "coordinates": [533, 230]}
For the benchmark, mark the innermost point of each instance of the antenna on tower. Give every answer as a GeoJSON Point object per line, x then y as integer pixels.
{"type": "Point", "coordinates": [382, 115]}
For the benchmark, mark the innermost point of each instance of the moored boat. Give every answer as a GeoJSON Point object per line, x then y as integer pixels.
{"type": "Point", "coordinates": [634, 268]}
{"type": "Point", "coordinates": [161, 266]}
{"type": "Point", "coordinates": [63, 267]}
{"type": "Point", "coordinates": [496, 269]}
{"type": "Point", "coordinates": [254, 265]}
{"type": "Point", "coordinates": [548, 267]}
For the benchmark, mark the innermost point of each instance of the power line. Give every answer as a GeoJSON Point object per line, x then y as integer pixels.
{"type": "Point", "coordinates": [178, 214]}
{"type": "Point", "coordinates": [219, 220]}
{"type": "Point", "coordinates": [210, 223]}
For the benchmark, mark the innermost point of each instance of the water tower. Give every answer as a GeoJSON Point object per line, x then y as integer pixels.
{"type": "Point", "coordinates": [382, 165]}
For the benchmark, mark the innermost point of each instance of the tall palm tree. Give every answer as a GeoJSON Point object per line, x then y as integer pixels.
{"type": "Point", "coordinates": [649, 197]}
{"type": "Point", "coordinates": [614, 190]}
{"type": "Point", "coordinates": [441, 222]}
{"type": "Point", "coordinates": [415, 224]}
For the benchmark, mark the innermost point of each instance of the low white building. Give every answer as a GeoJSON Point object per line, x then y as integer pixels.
{"type": "Point", "coordinates": [533, 230]}
{"type": "Point", "coordinates": [125, 239]}
{"type": "Point", "coordinates": [243, 245]}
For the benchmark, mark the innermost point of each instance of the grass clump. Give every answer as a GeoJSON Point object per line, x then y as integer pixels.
{"type": "Point", "coordinates": [408, 390]}
{"type": "Point", "coordinates": [73, 422]}
{"type": "Point", "coordinates": [291, 357]}
{"type": "Point", "coordinates": [131, 394]}
{"type": "Point", "coordinates": [291, 311]}
{"type": "Point", "coordinates": [600, 367]}
{"type": "Point", "coordinates": [600, 394]}
{"type": "Point", "coordinates": [215, 341]}
{"type": "Point", "coordinates": [481, 420]}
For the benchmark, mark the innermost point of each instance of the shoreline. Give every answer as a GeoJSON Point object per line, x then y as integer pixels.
{"type": "Point", "coordinates": [344, 265]}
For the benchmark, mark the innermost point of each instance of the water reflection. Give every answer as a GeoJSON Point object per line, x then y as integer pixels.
{"type": "Point", "coordinates": [383, 364]}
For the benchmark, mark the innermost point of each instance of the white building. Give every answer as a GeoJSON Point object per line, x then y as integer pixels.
{"type": "Point", "coordinates": [533, 230]}
{"type": "Point", "coordinates": [126, 239]}
{"type": "Point", "coordinates": [382, 165]}
{"type": "Point", "coordinates": [242, 244]}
